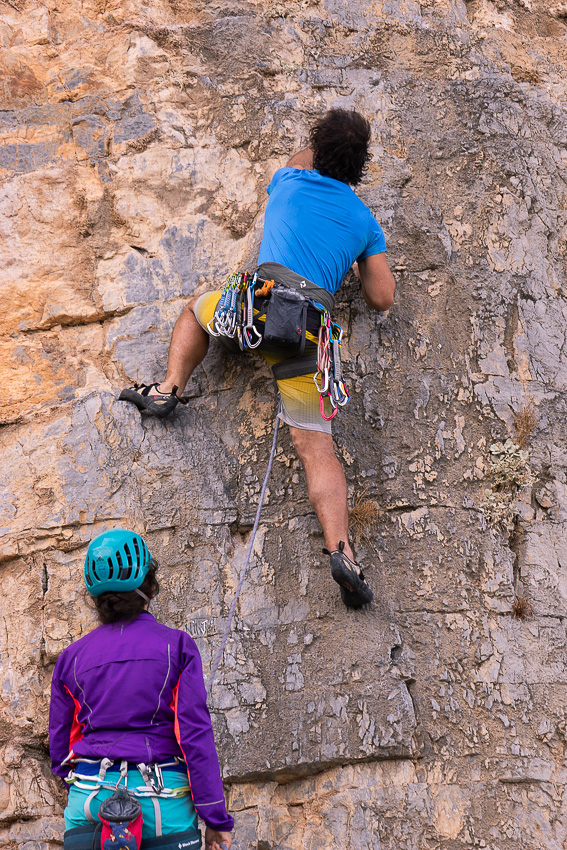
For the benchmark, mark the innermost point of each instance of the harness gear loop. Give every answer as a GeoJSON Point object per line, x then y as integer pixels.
{"type": "Point", "coordinates": [104, 765]}
{"type": "Point", "coordinates": [87, 806]}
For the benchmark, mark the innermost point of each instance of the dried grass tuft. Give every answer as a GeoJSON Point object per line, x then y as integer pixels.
{"type": "Point", "coordinates": [521, 607]}
{"type": "Point", "coordinates": [365, 515]}
{"type": "Point", "coordinates": [525, 423]}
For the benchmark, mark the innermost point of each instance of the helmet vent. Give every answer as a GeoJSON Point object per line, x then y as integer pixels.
{"type": "Point", "coordinates": [120, 563]}
{"type": "Point", "coordinates": [110, 568]}
{"type": "Point", "coordinates": [126, 573]}
{"type": "Point", "coordinates": [137, 548]}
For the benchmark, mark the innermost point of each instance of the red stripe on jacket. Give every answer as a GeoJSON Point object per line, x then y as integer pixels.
{"type": "Point", "coordinates": [174, 703]}
{"type": "Point", "coordinates": [77, 728]}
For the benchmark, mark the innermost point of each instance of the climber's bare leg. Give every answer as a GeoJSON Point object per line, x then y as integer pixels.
{"type": "Point", "coordinates": [189, 345]}
{"type": "Point", "coordinates": [326, 485]}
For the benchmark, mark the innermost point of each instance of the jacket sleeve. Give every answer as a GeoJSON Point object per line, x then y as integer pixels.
{"type": "Point", "coordinates": [194, 733]}
{"type": "Point", "coordinates": [64, 729]}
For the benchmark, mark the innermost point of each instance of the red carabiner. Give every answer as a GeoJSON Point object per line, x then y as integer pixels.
{"type": "Point", "coordinates": [322, 408]}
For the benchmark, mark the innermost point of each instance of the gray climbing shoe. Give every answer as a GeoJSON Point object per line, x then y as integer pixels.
{"type": "Point", "coordinates": [156, 403]}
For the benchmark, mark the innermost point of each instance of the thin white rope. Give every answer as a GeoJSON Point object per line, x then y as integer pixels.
{"type": "Point", "coordinates": [232, 609]}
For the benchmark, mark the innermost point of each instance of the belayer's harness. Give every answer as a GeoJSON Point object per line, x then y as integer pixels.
{"type": "Point", "coordinates": [152, 776]}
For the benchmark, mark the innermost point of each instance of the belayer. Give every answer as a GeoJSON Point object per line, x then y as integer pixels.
{"type": "Point", "coordinates": [129, 728]}
{"type": "Point", "coordinates": [315, 229]}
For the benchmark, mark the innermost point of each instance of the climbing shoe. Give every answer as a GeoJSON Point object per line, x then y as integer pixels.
{"type": "Point", "coordinates": [147, 398]}
{"type": "Point", "coordinates": [354, 590]}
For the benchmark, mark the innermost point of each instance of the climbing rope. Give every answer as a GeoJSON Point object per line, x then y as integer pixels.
{"type": "Point", "coordinates": [232, 609]}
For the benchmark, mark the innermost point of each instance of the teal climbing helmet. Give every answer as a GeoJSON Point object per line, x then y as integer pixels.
{"type": "Point", "coordinates": [116, 560]}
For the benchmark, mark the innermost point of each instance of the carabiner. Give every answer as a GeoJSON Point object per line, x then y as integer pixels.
{"type": "Point", "coordinates": [324, 388]}
{"type": "Point", "coordinates": [246, 333]}
{"type": "Point", "coordinates": [249, 326]}
{"type": "Point", "coordinates": [209, 328]}
{"type": "Point", "coordinates": [123, 774]}
{"type": "Point", "coordinates": [159, 777]}
{"type": "Point", "coordinates": [344, 393]}
{"type": "Point", "coordinates": [322, 408]}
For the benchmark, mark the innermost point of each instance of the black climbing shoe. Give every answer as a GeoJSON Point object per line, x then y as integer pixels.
{"type": "Point", "coordinates": [354, 590]}
{"type": "Point", "coordinates": [351, 600]}
{"type": "Point", "coordinates": [159, 404]}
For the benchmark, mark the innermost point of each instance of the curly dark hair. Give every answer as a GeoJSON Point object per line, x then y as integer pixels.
{"type": "Point", "coordinates": [112, 607]}
{"type": "Point", "coordinates": [339, 141]}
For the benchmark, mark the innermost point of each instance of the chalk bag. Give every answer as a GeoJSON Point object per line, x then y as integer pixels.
{"type": "Point", "coordinates": [121, 817]}
{"type": "Point", "coordinates": [286, 319]}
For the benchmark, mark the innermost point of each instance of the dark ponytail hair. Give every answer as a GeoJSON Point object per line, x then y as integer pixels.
{"type": "Point", "coordinates": [112, 606]}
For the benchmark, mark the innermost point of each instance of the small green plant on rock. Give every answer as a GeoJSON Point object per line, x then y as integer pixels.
{"type": "Point", "coordinates": [510, 471]}
{"type": "Point", "coordinates": [509, 466]}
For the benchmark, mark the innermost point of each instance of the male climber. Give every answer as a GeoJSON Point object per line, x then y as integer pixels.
{"type": "Point", "coordinates": [315, 229]}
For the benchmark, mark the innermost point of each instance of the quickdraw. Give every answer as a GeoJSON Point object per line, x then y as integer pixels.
{"type": "Point", "coordinates": [329, 376]}
{"type": "Point", "coordinates": [234, 315]}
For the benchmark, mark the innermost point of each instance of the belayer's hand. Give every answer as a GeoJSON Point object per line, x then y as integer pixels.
{"type": "Point", "coordinates": [217, 840]}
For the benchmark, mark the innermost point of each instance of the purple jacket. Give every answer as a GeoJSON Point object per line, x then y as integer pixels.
{"type": "Point", "coordinates": [135, 691]}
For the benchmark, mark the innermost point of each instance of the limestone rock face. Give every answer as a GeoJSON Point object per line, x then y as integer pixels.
{"type": "Point", "coordinates": [136, 143]}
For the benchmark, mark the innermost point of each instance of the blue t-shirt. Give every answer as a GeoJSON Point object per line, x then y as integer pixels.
{"type": "Point", "coordinates": [317, 227]}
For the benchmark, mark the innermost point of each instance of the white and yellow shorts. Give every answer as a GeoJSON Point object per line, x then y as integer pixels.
{"type": "Point", "coordinates": [300, 398]}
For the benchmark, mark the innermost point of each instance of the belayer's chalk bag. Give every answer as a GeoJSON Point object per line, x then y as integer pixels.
{"type": "Point", "coordinates": [85, 838]}
{"type": "Point", "coordinates": [121, 817]}
{"type": "Point", "coordinates": [286, 318]}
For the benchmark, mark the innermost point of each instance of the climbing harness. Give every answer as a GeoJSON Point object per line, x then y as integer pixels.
{"type": "Point", "coordinates": [84, 838]}
{"type": "Point", "coordinates": [329, 376]}
{"type": "Point", "coordinates": [285, 324]}
{"type": "Point", "coordinates": [120, 816]}
{"type": "Point", "coordinates": [152, 775]}
{"type": "Point", "coordinates": [240, 584]}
